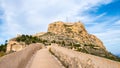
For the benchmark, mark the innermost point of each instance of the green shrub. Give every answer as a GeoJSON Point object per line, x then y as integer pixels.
{"type": "Point", "coordinates": [28, 39]}
{"type": "Point", "coordinates": [3, 49]}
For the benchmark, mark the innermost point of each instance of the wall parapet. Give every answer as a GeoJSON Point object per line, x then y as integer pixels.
{"type": "Point", "coordinates": [19, 59]}
{"type": "Point", "coordinates": [74, 59]}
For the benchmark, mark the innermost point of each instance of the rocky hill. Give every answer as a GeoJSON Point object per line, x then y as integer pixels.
{"type": "Point", "coordinates": [70, 35]}
{"type": "Point", "coordinates": [76, 31]}
{"type": "Point", "coordinates": [75, 36]}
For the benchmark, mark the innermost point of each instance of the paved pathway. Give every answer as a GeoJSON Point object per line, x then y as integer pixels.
{"type": "Point", "coordinates": [44, 59]}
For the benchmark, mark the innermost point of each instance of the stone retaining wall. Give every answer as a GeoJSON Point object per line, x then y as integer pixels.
{"type": "Point", "coordinates": [74, 59]}
{"type": "Point", "coordinates": [19, 59]}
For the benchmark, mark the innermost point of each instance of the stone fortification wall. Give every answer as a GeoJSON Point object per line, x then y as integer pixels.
{"type": "Point", "coordinates": [74, 59]}
{"type": "Point", "coordinates": [19, 59]}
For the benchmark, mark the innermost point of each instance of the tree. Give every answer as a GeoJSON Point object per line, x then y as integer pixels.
{"type": "Point", "coordinates": [63, 43]}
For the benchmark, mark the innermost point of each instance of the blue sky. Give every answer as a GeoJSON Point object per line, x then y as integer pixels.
{"type": "Point", "coordinates": [100, 17]}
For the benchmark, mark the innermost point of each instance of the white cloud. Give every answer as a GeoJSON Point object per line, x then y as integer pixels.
{"type": "Point", "coordinates": [117, 22]}
{"type": "Point", "coordinates": [108, 31]}
{"type": "Point", "coordinates": [111, 40]}
{"type": "Point", "coordinates": [29, 14]}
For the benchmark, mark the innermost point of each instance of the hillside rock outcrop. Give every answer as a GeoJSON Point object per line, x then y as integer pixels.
{"type": "Point", "coordinates": [76, 31]}
{"type": "Point", "coordinates": [14, 46]}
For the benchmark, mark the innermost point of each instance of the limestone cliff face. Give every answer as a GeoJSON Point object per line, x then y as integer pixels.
{"type": "Point", "coordinates": [76, 31]}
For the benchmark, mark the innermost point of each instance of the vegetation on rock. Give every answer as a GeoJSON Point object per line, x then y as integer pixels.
{"type": "Point", "coordinates": [28, 39]}
{"type": "Point", "coordinates": [70, 43]}
{"type": "Point", "coordinates": [3, 49]}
